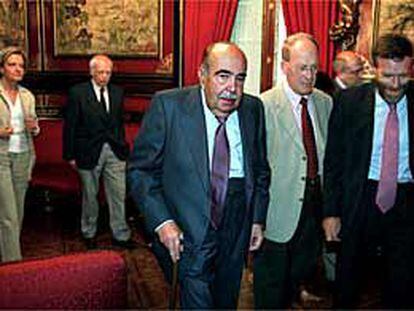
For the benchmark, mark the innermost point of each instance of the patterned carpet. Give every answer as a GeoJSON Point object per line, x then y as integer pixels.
{"type": "Point", "coordinates": [54, 230]}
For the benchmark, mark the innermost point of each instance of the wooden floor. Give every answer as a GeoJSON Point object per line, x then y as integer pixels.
{"type": "Point", "coordinates": [52, 231]}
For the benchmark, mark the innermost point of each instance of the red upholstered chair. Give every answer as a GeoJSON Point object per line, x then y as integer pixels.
{"type": "Point", "coordinates": [93, 280]}
{"type": "Point", "coordinates": [51, 173]}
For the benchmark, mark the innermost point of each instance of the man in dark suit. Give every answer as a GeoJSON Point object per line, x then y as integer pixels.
{"type": "Point", "coordinates": [175, 175]}
{"type": "Point", "coordinates": [369, 167]}
{"type": "Point", "coordinates": [94, 144]}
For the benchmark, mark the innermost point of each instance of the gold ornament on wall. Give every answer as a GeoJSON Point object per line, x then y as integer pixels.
{"type": "Point", "coordinates": [346, 30]}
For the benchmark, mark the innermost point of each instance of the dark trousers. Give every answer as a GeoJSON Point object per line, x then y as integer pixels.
{"type": "Point", "coordinates": [279, 268]}
{"type": "Point", "coordinates": [210, 274]}
{"type": "Point", "coordinates": [391, 235]}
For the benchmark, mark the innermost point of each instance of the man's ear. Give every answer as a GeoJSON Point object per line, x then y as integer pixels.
{"type": "Point", "coordinates": [284, 65]}
{"type": "Point", "coordinates": [201, 74]}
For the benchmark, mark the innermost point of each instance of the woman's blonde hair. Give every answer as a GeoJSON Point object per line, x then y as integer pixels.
{"type": "Point", "coordinates": [9, 51]}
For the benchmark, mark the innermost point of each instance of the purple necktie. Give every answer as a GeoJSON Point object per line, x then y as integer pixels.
{"type": "Point", "coordinates": [387, 186]}
{"type": "Point", "coordinates": [219, 172]}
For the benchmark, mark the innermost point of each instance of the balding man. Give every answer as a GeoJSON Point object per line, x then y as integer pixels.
{"type": "Point", "coordinates": [94, 144]}
{"type": "Point", "coordinates": [297, 122]}
{"type": "Point", "coordinates": [348, 69]}
{"type": "Point", "coordinates": [200, 176]}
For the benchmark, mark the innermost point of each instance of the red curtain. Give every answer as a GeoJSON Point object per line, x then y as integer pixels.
{"type": "Point", "coordinates": [314, 17]}
{"type": "Point", "coordinates": [205, 21]}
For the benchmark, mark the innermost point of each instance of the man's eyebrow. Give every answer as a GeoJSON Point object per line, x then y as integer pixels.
{"type": "Point", "coordinates": [242, 74]}
{"type": "Point", "coordinates": [223, 71]}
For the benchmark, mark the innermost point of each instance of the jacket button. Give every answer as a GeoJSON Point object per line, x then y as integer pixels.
{"type": "Point", "coordinates": [303, 178]}
{"type": "Point", "coordinates": [304, 158]}
{"type": "Point", "coordinates": [301, 200]}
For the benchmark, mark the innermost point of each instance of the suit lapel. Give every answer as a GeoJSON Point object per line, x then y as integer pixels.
{"type": "Point", "coordinates": [113, 101]}
{"type": "Point", "coordinates": [246, 132]}
{"type": "Point", "coordinates": [410, 111]}
{"type": "Point", "coordinates": [91, 97]}
{"type": "Point", "coordinates": [287, 120]}
{"type": "Point", "coordinates": [366, 115]}
{"type": "Point", "coordinates": [318, 126]}
{"type": "Point", "coordinates": [194, 129]}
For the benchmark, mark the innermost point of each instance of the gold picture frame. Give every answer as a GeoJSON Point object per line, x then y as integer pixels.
{"type": "Point", "coordinates": [13, 24]}
{"type": "Point", "coordinates": [393, 16]}
{"type": "Point", "coordinates": [124, 28]}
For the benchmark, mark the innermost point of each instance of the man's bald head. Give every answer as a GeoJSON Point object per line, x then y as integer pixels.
{"type": "Point", "coordinates": [348, 67]}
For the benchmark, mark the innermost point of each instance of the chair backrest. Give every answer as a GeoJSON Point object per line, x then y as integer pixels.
{"type": "Point", "coordinates": [93, 280]}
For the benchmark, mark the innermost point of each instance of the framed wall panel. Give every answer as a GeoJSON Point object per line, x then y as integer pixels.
{"type": "Point", "coordinates": [126, 28]}
{"type": "Point", "coordinates": [19, 26]}
{"type": "Point", "coordinates": [153, 55]}
{"type": "Point", "coordinates": [393, 16]}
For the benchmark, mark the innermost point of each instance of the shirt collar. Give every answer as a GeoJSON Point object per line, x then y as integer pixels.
{"type": "Point", "coordinates": [97, 88]}
{"type": "Point", "coordinates": [380, 101]}
{"type": "Point", "coordinates": [293, 97]}
{"type": "Point", "coordinates": [340, 83]}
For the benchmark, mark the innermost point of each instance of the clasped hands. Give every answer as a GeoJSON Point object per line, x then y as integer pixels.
{"type": "Point", "coordinates": [31, 125]}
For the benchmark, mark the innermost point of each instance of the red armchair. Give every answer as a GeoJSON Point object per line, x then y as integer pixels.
{"type": "Point", "coordinates": [51, 172]}
{"type": "Point", "coordinates": [93, 280]}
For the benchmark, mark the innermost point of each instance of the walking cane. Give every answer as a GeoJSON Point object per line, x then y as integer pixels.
{"type": "Point", "coordinates": [174, 285]}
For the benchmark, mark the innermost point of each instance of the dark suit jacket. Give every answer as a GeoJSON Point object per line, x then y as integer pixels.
{"type": "Point", "coordinates": [87, 125]}
{"type": "Point", "coordinates": [169, 168]}
{"type": "Point", "coordinates": [349, 147]}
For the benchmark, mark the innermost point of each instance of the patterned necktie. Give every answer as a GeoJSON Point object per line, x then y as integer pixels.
{"type": "Point", "coordinates": [387, 186]}
{"type": "Point", "coordinates": [102, 99]}
{"type": "Point", "coordinates": [309, 140]}
{"type": "Point", "coordinates": [219, 172]}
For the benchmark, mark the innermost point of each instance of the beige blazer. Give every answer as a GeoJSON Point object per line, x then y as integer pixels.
{"type": "Point", "coordinates": [29, 110]}
{"type": "Point", "coordinates": [287, 159]}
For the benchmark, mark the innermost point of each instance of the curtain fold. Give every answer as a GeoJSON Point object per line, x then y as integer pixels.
{"type": "Point", "coordinates": [205, 21]}
{"type": "Point", "coordinates": [314, 17]}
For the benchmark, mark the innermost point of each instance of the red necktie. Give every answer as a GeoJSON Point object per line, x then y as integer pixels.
{"type": "Point", "coordinates": [387, 186]}
{"type": "Point", "coordinates": [309, 140]}
{"type": "Point", "coordinates": [219, 172]}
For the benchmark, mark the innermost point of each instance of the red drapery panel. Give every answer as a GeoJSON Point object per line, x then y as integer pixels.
{"type": "Point", "coordinates": [314, 17]}
{"type": "Point", "coordinates": [205, 21]}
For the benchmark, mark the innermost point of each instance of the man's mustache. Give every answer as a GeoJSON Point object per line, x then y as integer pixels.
{"type": "Point", "coordinates": [228, 95]}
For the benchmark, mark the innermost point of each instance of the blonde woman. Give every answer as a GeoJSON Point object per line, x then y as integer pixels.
{"type": "Point", "coordinates": [18, 123]}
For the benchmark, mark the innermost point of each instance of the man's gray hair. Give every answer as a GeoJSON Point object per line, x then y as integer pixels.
{"type": "Point", "coordinates": [292, 39]}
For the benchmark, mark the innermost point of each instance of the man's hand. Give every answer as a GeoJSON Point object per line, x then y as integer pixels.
{"type": "Point", "coordinates": [171, 236]}
{"type": "Point", "coordinates": [256, 237]}
{"type": "Point", "coordinates": [332, 226]}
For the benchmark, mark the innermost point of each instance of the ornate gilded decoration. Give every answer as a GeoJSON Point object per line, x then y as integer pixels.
{"type": "Point", "coordinates": [13, 23]}
{"type": "Point", "coordinates": [394, 16]}
{"type": "Point", "coordinates": [346, 30]}
{"type": "Point", "coordinates": [166, 65]}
